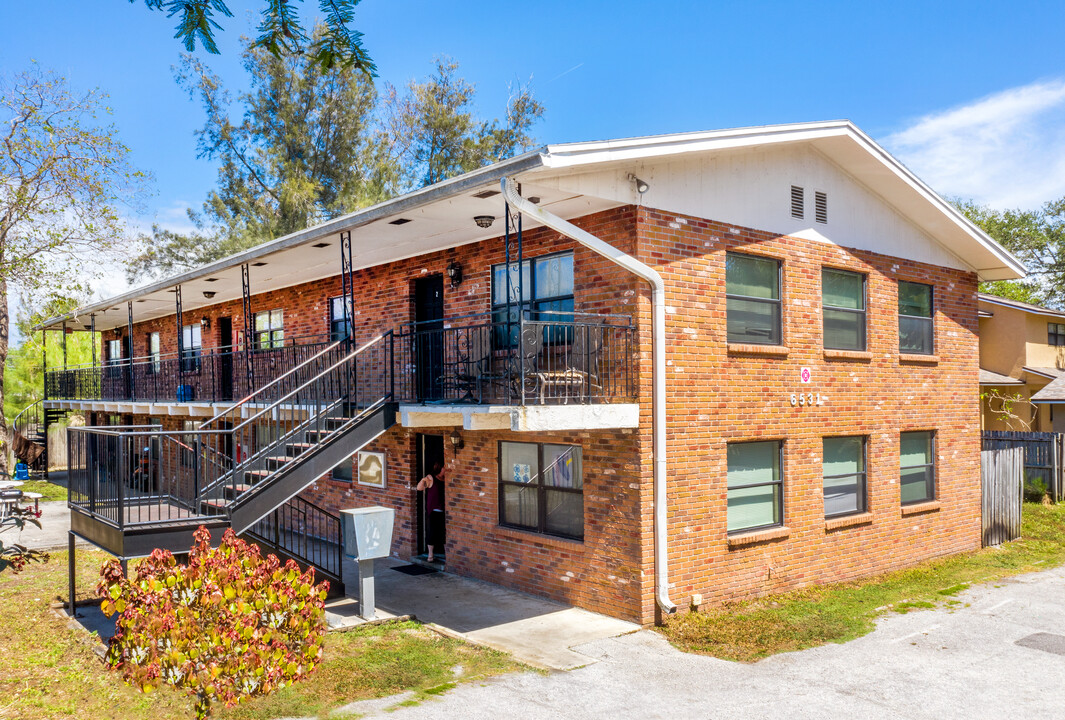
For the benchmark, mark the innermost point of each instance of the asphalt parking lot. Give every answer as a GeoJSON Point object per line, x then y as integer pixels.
{"type": "Point", "coordinates": [1001, 656]}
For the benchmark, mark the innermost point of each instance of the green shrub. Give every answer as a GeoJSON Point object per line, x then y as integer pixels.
{"type": "Point", "coordinates": [230, 625]}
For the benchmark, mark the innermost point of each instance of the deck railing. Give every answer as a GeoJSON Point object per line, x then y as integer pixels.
{"type": "Point", "coordinates": [201, 376]}
{"type": "Point", "coordinates": [543, 358]}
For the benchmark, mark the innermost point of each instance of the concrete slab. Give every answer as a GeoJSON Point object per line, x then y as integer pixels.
{"type": "Point", "coordinates": [52, 535]}
{"type": "Point", "coordinates": [961, 662]}
{"type": "Point", "coordinates": [535, 631]}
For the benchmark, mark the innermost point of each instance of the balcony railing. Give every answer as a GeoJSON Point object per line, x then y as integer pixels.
{"type": "Point", "coordinates": [539, 358]}
{"type": "Point", "coordinates": [201, 376]}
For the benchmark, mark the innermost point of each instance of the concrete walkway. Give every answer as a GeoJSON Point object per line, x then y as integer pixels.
{"type": "Point", "coordinates": [537, 632]}
{"type": "Point", "coordinates": [1002, 656]}
{"type": "Point", "coordinates": [52, 535]}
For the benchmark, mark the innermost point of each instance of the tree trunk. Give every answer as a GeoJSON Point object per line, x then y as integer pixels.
{"type": "Point", "coordinates": [5, 445]}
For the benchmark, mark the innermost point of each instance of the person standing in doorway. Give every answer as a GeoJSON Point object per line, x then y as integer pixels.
{"type": "Point", "coordinates": [433, 487]}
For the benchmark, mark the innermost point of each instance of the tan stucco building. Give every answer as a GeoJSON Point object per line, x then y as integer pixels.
{"type": "Point", "coordinates": [1022, 351]}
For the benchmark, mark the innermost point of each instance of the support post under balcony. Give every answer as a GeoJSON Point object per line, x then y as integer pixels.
{"type": "Point", "coordinates": [129, 346]}
{"type": "Point", "coordinates": [245, 296]}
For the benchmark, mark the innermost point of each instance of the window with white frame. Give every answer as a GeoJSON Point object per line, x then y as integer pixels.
{"type": "Point", "coordinates": [154, 354]}
{"type": "Point", "coordinates": [269, 329]}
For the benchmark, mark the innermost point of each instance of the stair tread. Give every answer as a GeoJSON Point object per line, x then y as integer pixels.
{"type": "Point", "coordinates": [218, 503]}
{"type": "Point", "coordinates": [258, 473]}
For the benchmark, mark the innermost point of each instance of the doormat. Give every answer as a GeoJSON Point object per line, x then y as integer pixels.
{"type": "Point", "coordinates": [414, 569]}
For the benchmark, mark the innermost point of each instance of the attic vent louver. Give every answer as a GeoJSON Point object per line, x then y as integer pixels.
{"type": "Point", "coordinates": [820, 207]}
{"type": "Point", "coordinates": [797, 202]}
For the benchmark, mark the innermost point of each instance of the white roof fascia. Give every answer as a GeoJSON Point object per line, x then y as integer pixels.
{"type": "Point", "coordinates": [574, 155]}
{"type": "Point", "coordinates": [489, 175]}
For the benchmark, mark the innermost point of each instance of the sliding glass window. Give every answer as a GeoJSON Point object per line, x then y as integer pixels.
{"type": "Point", "coordinates": [916, 330]}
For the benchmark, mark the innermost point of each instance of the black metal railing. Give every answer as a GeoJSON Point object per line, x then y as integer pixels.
{"type": "Point", "coordinates": [305, 532]}
{"type": "Point", "coordinates": [132, 475]}
{"type": "Point", "coordinates": [205, 376]}
{"type": "Point", "coordinates": [544, 358]}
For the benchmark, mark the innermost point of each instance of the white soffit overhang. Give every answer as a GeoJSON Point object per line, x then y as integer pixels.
{"type": "Point", "coordinates": [442, 217]}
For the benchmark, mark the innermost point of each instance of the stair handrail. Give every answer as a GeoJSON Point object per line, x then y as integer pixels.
{"type": "Point", "coordinates": [36, 406]}
{"type": "Point", "coordinates": [281, 401]}
{"type": "Point", "coordinates": [273, 382]}
{"type": "Point", "coordinates": [239, 467]}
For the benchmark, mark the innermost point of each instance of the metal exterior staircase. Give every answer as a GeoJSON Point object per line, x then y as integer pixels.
{"type": "Point", "coordinates": [245, 467]}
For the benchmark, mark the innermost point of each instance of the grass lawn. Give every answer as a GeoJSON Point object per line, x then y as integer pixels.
{"type": "Point", "coordinates": [50, 491]}
{"type": "Point", "coordinates": [50, 670]}
{"type": "Point", "coordinates": [754, 629]}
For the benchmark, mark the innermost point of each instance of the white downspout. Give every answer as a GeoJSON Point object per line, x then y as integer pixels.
{"type": "Point", "coordinates": [658, 370]}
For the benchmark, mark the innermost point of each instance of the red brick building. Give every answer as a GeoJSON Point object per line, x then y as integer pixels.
{"type": "Point", "coordinates": [817, 406]}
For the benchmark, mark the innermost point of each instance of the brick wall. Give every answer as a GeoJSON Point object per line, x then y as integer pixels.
{"type": "Point", "coordinates": [715, 396]}
{"type": "Point", "coordinates": [718, 396]}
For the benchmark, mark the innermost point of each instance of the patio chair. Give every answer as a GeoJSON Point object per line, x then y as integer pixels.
{"type": "Point", "coordinates": [578, 378]}
{"type": "Point", "coordinates": [525, 357]}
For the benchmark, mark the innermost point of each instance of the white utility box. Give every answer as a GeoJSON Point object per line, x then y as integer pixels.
{"type": "Point", "coordinates": [367, 536]}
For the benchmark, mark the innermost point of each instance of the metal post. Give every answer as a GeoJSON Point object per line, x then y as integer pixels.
{"type": "Point", "coordinates": [245, 293]}
{"type": "Point", "coordinates": [506, 276]}
{"type": "Point", "coordinates": [347, 265]}
{"type": "Point", "coordinates": [129, 346]}
{"type": "Point", "coordinates": [44, 360]}
{"type": "Point", "coordinates": [521, 310]}
{"type": "Point", "coordinates": [71, 568]}
{"type": "Point", "coordinates": [367, 601]}
{"type": "Point", "coordinates": [180, 329]}
{"type": "Point", "coordinates": [64, 347]}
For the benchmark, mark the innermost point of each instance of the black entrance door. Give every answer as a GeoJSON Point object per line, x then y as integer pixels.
{"type": "Point", "coordinates": [429, 338]}
{"type": "Point", "coordinates": [430, 452]}
{"type": "Point", "coordinates": [225, 347]}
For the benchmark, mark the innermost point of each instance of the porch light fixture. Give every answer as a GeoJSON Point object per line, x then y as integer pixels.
{"type": "Point", "coordinates": [456, 440]}
{"type": "Point", "coordinates": [209, 294]}
{"type": "Point", "coordinates": [641, 186]}
{"type": "Point", "coordinates": [484, 221]}
{"type": "Point", "coordinates": [205, 322]}
{"type": "Point", "coordinates": [454, 272]}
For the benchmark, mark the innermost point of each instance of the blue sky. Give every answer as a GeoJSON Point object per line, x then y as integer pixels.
{"type": "Point", "coordinates": [971, 95]}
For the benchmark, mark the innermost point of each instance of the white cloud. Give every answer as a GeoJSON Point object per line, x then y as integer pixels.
{"type": "Point", "coordinates": [1006, 150]}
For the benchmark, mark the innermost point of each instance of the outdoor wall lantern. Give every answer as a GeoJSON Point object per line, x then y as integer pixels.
{"type": "Point", "coordinates": [484, 221]}
{"type": "Point", "coordinates": [456, 440]}
{"type": "Point", "coordinates": [208, 294]}
{"type": "Point", "coordinates": [454, 271]}
{"type": "Point", "coordinates": [205, 322]}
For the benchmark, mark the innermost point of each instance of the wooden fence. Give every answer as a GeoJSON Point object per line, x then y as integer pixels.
{"type": "Point", "coordinates": [1002, 481]}
{"type": "Point", "coordinates": [1044, 457]}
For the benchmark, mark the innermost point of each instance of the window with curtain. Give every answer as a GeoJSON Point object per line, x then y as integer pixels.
{"type": "Point", "coordinates": [916, 332]}
{"type": "Point", "coordinates": [843, 309]}
{"type": "Point", "coordinates": [843, 470]}
{"type": "Point", "coordinates": [269, 329]}
{"type": "Point", "coordinates": [114, 352]}
{"type": "Point", "coordinates": [188, 441]}
{"type": "Point", "coordinates": [541, 488]}
{"type": "Point", "coordinates": [917, 466]}
{"type": "Point", "coordinates": [191, 347]}
{"type": "Point", "coordinates": [755, 500]}
{"type": "Point", "coordinates": [339, 321]}
{"type": "Point", "coordinates": [546, 295]}
{"type": "Point", "coordinates": [752, 300]}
